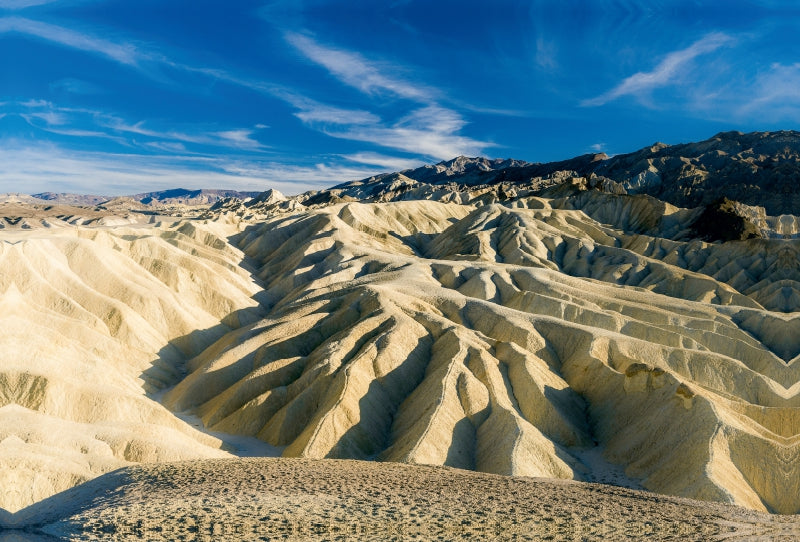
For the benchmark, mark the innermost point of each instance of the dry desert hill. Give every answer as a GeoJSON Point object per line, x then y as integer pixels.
{"type": "Point", "coordinates": [632, 321]}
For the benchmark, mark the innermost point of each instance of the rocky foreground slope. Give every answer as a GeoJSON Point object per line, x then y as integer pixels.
{"type": "Point", "coordinates": [556, 327]}
{"type": "Point", "coordinates": [303, 499]}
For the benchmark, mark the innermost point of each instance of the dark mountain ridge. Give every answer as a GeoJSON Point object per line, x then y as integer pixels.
{"type": "Point", "coordinates": [757, 169]}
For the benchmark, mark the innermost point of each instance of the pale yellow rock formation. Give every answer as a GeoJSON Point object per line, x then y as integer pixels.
{"type": "Point", "coordinates": [507, 340]}
{"type": "Point", "coordinates": [510, 339]}
{"type": "Point", "coordinates": [92, 320]}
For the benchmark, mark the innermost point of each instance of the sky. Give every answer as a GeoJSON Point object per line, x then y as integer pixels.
{"type": "Point", "coordinates": [120, 96]}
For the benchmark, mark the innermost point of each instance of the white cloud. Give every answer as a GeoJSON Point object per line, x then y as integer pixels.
{"type": "Point", "coordinates": [597, 147]}
{"type": "Point", "coordinates": [127, 54]}
{"type": "Point", "coordinates": [392, 163]}
{"type": "Point", "coordinates": [320, 175]}
{"type": "Point", "coordinates": [51, 118]}
{"type": "Point", "coordinates": [667, 72]}
{"type": "Point", "coordinates": [123, 53]}
{"type": "Point", "coordinates": [76, 86]}
{"type": "Point", "coordinates": [356, 71]}
{"type": "Point", "coordinates": [429, 131]}
{"type": "Point", "coordinates": [74, 121]}
{"type": "Point", "coordinates": [311, 111]}
{"type": "Point", "coordinates": [22, 4]}
{"type": "Point", "coordinates": [168, 146]}
{"type": "Point", "coordinates": [774, 94]}
{"type": "Point", "coordinates": [31, 169]}
{"type": "Point", "coordinates": [239, 139]}
{"type": "Point", "coordinates": [546, 52]}
{"type": "Point", "coordinates": [73, 132]}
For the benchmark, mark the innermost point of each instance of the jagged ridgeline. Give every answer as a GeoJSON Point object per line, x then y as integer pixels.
{"type": "Point", "coordinates": [631, 320]}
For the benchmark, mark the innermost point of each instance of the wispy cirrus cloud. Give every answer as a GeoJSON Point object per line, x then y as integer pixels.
{"type": "Point", "coordinates": [81, 122]}
{"type": "Point", "coordinates": [428, 131]}
{"type": "Point", "coordinates": [393, 163]}
{"type": "Point", "coordinates": [76, 86]}
{"type": "Point", "coordinates": [22, 4]}
{"type": "Point", "coordinates": [671, 70]}
{"type": "Point", "coordinates": [428, 128]}
{"type": "Point", "coordinates": [48, 167]}
{"type": "Point", "coordinates": [121, 52]}
{"type": "Point", "coordinates": [351, 68]}
{"type": "Point", "coordinates": [355, 70]}
{"type": "Point", "coordinates": [311, 111]}
{"type": "Point", "coordinates": [546, 54]}
{"type": "Point", "coordinates": [240, 138]}
{"type": "Point", "coordinates": [773, 94]}
{"type": "Point", "coordinates": [124, 53]}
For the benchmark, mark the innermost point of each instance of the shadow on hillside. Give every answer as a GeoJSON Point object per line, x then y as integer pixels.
{"type": "Point", "coordinates": [75, 500]}
{"type": "Point", "coordinates": [172, 363]}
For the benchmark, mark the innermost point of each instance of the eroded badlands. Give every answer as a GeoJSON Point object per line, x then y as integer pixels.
{"type": "Point", "coordinates": [544, 336]}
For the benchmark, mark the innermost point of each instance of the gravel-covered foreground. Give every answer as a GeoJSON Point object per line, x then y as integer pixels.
{"type": "Point", "coordinates": [294, 499]}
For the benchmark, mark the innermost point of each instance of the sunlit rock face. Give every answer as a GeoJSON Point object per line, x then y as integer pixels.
{"type": "Point", "coordinates": [91, 320]}
{"type": "Point", "coordinates": [559, 327]}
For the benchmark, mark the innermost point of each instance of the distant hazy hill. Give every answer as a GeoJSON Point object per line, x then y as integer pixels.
{"type": "Point", "coordinates": [71, 199]}
{"type": "Point", "coordinates": [190, 197]}
{"type": "Point", "coordinates": [166, 197]}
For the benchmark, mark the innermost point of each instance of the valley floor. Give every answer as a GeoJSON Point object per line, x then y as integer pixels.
{"type": "Point", "coordinates": [300, 499]}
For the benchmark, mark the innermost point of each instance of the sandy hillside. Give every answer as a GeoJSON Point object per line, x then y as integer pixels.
{"type": "Point", "coordinates": [576, 335]}
{"type": "Point", "coordinates": [295, 499]}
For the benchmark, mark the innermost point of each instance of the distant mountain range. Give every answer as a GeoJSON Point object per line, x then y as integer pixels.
{"type": "Point", "coordinates": [173, 196]}
{"type": "Point", "coordinates": [757, 169]}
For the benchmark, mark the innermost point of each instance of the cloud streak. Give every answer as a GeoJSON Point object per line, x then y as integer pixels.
{"type": "Point", "coordinates": [51, 168]}
{"type": "Point", "coordinates": [311, 111]}
{"type": "Point", "coordinates": [431, 130]}
{"type": "Point", "coordinates": [123, 53]}
{"type": "Point", "coordinates": [356, 71]}
{"type": "Point", "coordinates": [22, 4]}
{"type": "Point", "coordinates": [392, 163]}
{"type": "Point", "coordinates": [667, 72]}
{"type": "Point", "coordinates": [428, 129]}
{"type": "Point", "coordinates": [771, 95]}
{"type": "Point", "coordinates": [73, 122]}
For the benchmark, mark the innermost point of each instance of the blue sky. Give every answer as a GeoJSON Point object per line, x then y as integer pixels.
{"type": "Point", "coordinates": [114, 97]}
